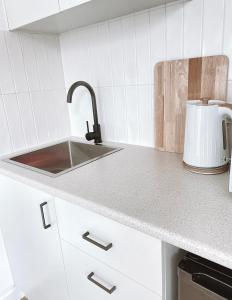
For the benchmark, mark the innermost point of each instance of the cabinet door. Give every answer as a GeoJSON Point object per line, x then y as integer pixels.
{"type": "Point", "coordinates": [65, 4]}
{"type": "Point", "coordinates": [34, 252]}
{"type": "Point", "coordinates": [26, 11]}
{"type": "Point", "coordinates": [86, 273]}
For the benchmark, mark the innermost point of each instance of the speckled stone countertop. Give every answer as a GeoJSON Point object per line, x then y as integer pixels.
{"type": "Point", "coordinates": [151, 192]}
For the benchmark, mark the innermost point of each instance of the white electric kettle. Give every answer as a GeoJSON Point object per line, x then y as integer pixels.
{"type": "Point", "coordinates": [205, 146]}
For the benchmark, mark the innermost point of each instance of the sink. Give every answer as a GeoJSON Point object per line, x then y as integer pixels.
{"type": "Point", "coordinates": [60, 158]}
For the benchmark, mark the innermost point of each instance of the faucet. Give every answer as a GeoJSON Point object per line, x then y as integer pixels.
{"type": "Point", "coordinates": [96, 134]}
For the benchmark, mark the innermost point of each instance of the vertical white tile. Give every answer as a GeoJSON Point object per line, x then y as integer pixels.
{"type": "Point", "coordinates": [27, 117]}
{"type": "Point", "coordinates": [69, 56]}
{"type": "Point", "coordinates": [229, 92]}
{"type": "Point", "coordinates": [143, 56]}
{"type": "Point", "coordinates": [57, 114]}
{"type": "Point", "coordinates": [14, 122]}
{"type": "Point", "coordinates": [104, 70]}
{"type": "Point", "coordinates": [60, 110]}
{"type": "Point", "coordinates": [42, 62]}
{"type": "Point", "coordinates": [106, 113]}
{"type": "Point", "coordinates": [129, 45]}
{"type": "Point", "coordinates": [82, 56]}
{"type": "Point", "coordinates": [3, 25]}
{"type": "Point", "coordinates": [54, 62]}
{"type": "Point", "coordinates": [26, 41]}
{"type": "Point", "coordinates": [16, 60]}
{"type": "Point", "coordinates": [213, 27]}
{"type": "Point", "coordinates": [132, 114]}
{"type": "Point", "coordinates": [120, 121]}
{"type": "Point", "coordinates": [227, 45]}
{"type": "Point", "coordinates": [51, 115]}
{"type": "Point", "coordinates": [116, 47]}
{"type": "Point", "coordinates": [146, 115]}
{"type": "Point", "coordinates": [40, 107]}
{"type": "Point", "coordinates": [193, 17]}
{"type": "Point", "coordinates": [93, 63]}
{"type": "Point", "coordinates": [174, 21]}
{"type": "Point", "coordinates": [6, 80]}
{"type": "Point", "coordinates": [157, 37]}
{"type": "Point", "coordinates": [4, 131]}
{"type": "Point", "coordinates": [2, 12]}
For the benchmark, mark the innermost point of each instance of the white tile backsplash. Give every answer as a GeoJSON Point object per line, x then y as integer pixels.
{"type": "Point", "coordinates": [118, 57]}
{"type": "Point", "coordinates": [33, 107]}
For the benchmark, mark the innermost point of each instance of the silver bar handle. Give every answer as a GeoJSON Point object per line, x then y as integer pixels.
{"type": "Point", "coordinates": [86, 237]}
{"type": "Point", "coordinates": [109, 291]}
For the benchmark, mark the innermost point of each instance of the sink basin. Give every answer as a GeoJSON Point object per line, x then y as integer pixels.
{"type": "Point", "coordinates": [61, 158]}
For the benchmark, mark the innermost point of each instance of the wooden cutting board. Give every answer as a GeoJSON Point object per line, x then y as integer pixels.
{"type": "Point", "coordinates": [178, 81]}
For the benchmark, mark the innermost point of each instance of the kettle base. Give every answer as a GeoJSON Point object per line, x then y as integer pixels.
{"type": "Point", "coordinates": [207, 171]}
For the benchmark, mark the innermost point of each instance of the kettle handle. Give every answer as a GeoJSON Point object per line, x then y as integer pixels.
{"type": "Point", "coordinates": [225, 109]}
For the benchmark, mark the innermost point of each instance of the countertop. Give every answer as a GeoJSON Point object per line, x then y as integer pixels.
{"type": "Point", "coordinates": [152, 192]}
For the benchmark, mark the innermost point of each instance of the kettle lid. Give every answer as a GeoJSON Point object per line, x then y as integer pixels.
{"type": "Point", "coordinates": [206, 102]}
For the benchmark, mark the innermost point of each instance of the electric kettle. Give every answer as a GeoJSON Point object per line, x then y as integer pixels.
{"type": "Point", "coordinates": [206, 148]}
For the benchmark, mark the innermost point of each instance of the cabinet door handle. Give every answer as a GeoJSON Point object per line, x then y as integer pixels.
{"type": "Point", "coordinates": [86, 237]}
{"type": "Point", "coordinates": [45, 226]}
{"type": "Point", "coordinates": [109, 291]}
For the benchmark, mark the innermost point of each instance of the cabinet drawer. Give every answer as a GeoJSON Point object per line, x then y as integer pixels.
{"type": "Point", "coordinates": [131, 252]}
{"type": "Point", "coordinates": [91, 279]}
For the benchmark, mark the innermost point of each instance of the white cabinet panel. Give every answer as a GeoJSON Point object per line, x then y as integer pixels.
{"type": "Point", "coordinates": [34, 253]}
{"type": "Point", "coordinates": [79, 266]}
{"type": "Point", "coordinates": [26, 11]}
{"type": "Point", "coordinates": [6, 281]}
{"type": "Point", "coordinates": [65, 4]}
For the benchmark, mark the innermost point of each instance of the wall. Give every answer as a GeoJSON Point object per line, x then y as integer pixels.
{"type": "Point", "coordinates": [117, 57]}
{"type": "Point", "coordinates": [32, 101]}
{"type": "Point", "coordinates": [32, 96]}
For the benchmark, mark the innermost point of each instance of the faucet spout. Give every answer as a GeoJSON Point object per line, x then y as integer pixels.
{"type": "Point", "coordinates": [96, 134]}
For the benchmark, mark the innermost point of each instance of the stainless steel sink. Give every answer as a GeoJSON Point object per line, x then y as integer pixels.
{"type": "Point", "coordinates": [61, 158]}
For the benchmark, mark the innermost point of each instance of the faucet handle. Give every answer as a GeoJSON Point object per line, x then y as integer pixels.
{"type": "Point", "coordinates": [87, 124]}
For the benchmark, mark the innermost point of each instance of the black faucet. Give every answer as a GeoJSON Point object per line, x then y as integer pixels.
{"type": "Point", "coordinates": [96, 134]}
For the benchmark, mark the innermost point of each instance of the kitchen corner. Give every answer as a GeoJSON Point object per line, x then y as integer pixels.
{"type": "Point", "coordinates": [115, 153]}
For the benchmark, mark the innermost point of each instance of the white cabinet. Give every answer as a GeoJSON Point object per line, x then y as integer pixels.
{"type": "Point", "coordinates": [98, 253]}
{"type": "Point", "coordinates": [34, 252]}
{"type": "Point", "coordinates": [115, 253]}
{"type": "Point", "coordinates": [6, 281]}
{"type": "Point", "coordinates": [23, 12]}
{"type": "Point", "coordinates": [57, 16]}
{"type": "Point", "coordinates": [65, 4]}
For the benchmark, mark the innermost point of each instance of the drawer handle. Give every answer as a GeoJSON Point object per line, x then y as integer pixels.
{"type": "Point", "coordinates": [45, 226]}
{"type": "Point", "coordinates": [86, 237]}
{"type": "Point", "coordinates": [109, 291]}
